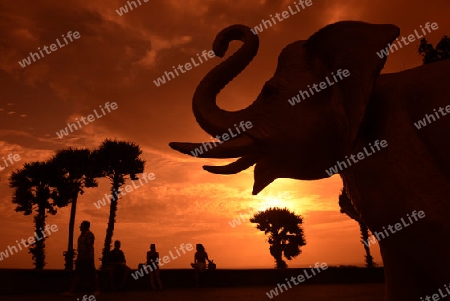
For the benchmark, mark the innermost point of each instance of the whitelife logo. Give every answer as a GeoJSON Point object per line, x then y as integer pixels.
{"type": "Point", "coordinates": [124, 9]}
{"type": "Point", "coordinates": [140, 273]}
{"type": "Point", "coordinates": [323, 85]}
{"type": "Point", "coordinates": [333, 170]}
{"type": "Point", "coordinates": [128, 188]}
{"type": "Point", "coordinates": [300, 278]}
{"type": "Point", "coordinates": [224, 137]}
{"type": "Point", "coordinates": [86, 298]}
{"type": "Point", "coordinates": [430, 118]}
{"type": "Point", "coordinates": [90, 118]}
{"type": "Point", "coordinates": [397, 226]}
{"type": "Point", "coordinates": [437, 297]}
{"type": "Point", "coordinates": [27, 61]}
{"type": "Point", "coordinates": [31, 240]}
{"type": "Point", "coordinates": [16, 158]}
{"type": "Point", "coordinates": [162, 80]}
{"type": "Point", "coordinates": [284, 15]}
{"type": "Point", "coordinates": [411, 38]}
{"type": "Point", "coordinates": [241, 219]}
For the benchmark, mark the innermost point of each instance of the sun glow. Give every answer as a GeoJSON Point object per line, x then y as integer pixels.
{"type": "Point", "coordinates": [335, 15]}
{"type": "Point", "coordinates": [270, 201]}
{"type": "Point", "coordinates": [340, 13]}
{"type": "Point", "coordinates": [280, 199]}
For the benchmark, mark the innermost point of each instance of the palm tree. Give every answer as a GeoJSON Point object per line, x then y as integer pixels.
{"type": "Point", "coordinates": [347, 208]}
{"type": "Point", "coordinates": [34, 188]}
{"type": "Point", "coordinates": [286, 234]}
{"type": "Point", "coordinates": [117, 160]}
{"type": "Point", "coordinates": [430, 55]}
{"type": "Point", "coordinates": [75, 169]}
{"type": "Point", "coordinates": [365, 238]}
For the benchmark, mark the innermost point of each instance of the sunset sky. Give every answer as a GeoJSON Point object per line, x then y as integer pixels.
{"type": "Point", "coordinates": [116, 59]}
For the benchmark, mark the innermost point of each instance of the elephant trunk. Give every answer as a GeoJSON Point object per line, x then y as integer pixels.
{"type": "Point", "coordinates": [210, 117]}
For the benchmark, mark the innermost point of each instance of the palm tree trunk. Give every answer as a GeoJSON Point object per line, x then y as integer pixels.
{"type": "Point", "coordinates": [281, 264]}
{"type": "Point", "coordinates": [38, 248]}
{"type": "Point", "coordinates": [276, 250]}
{"type": "Point", "coordinates": [347, 208]}
{"type": "Point", "coordinates": [111, 222]}
{"type": "Point", "coordinates": [365, 237]}
{"type": "Point", "coordinates": [70, 253]}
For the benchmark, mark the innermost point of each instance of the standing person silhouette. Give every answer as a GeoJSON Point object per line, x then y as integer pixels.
{"type": "Point", "coordinates": [153, 257]}
{"type": "Point", "coordinates": [85, 265]}
{"type": "Point", "coordinates": [200, 258]}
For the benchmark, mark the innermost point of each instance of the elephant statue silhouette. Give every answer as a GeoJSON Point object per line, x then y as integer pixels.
{"type": "Point", "coordinates": [409, 174]}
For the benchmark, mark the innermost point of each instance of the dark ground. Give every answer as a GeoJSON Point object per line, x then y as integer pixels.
{"type": "Point", "coordinates": [344, 283]}
{"type": "Point", "coordinates": [319, 292]}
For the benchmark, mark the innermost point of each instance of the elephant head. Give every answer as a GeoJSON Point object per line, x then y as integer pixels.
{"type": "Point", "coordinates": [293, 141]}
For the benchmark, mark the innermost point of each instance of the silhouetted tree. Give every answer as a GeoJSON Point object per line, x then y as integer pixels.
{"type": "Point", "coordinates": [75, 167]}
{"type": "Point", "coordinates": [347, 208]}
{"type": "Point", "coordinates": [35, 190]}
{"type": "Point", "coordinates": [286, 234]}
{"type": "Point", "coordinates": [116, 159]}
{"type": "Point", "coordinates": [370, 263]}
{"type": "Point", "coordinates": [430, 55]}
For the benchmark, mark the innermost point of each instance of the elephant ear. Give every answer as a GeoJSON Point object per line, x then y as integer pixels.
{"type": "Point", "coordinates": [354, 46]}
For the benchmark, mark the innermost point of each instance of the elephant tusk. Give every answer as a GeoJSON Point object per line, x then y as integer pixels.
{"type": "Point", "coordinates": [233, 168]}
{"type": "Point", "coordinates": [259, 185]}
{"type": "Point", "coordinates": [234, 148]}
{"type": "Point", "coordinates": [263, 175]}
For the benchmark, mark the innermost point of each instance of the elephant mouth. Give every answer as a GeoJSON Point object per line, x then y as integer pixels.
{"type": "Point", "coordinates": [245, 148]}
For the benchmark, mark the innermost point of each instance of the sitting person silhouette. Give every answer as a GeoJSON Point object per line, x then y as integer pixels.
{"type": "Point", "coordinates": [117, 266]}
{"type": "Point", "coordinates": [153, 261]}
{"type": "Point", "coordinates": [200, 258]}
